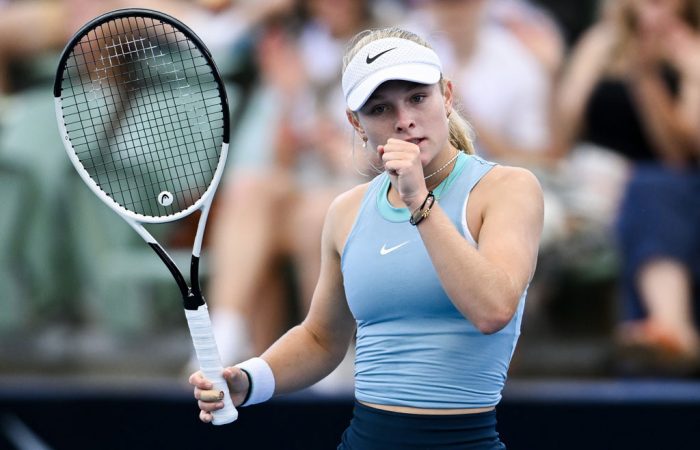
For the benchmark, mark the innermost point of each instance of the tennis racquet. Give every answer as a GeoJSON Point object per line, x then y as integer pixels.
{"type": "Point", "coordinates": [144, 117]}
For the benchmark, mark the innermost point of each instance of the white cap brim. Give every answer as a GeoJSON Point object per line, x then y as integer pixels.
{"type": "Point", "coordinates": [415, 72]}
{"type": "Point", "coordinates": [384, 60]}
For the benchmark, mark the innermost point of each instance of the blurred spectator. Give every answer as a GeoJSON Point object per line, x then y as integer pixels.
{"type": "Point", "coordinates": [26, 30]}
{"type": "Point", "coordinates": [483, 52]}
{"type": "Point", "coordinates": [534, 27]}
{"type": "Point", "coordinates": [30, 28]}
{"type": "Point", "coordinates": [288, 165]}
{"type": "Point", "coordinates": [631, 86]}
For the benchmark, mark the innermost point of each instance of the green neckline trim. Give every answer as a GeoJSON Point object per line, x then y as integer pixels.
{"type": "Point", "coordinates": [393, 214]}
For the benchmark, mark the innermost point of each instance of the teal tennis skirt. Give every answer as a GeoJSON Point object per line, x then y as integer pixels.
{"type": "Point", "coordinates": [376, 429]}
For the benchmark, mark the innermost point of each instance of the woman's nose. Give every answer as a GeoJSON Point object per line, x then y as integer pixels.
{"type": "Point", "coordinates": [404, 121]}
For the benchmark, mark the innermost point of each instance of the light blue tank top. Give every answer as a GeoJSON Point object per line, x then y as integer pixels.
{"type": "Point", "coordinates": [414, 348]}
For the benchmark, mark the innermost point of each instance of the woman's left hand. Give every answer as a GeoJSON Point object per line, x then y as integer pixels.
{"type": "Point", "coordinates": [402, 163]}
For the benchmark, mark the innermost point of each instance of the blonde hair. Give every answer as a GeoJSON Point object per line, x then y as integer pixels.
{"type": "Point", "coordinates": [461, 135]}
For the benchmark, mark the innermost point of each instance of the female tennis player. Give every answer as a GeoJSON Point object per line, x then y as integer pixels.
{"type": "Point", "coordinates": [429, 263]}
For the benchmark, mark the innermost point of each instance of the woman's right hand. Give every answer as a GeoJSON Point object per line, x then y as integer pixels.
{"type": "Point", "coordinates": [210, 400]}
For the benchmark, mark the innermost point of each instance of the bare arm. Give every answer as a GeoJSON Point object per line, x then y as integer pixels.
{"type": "Point", "coordinates": [664, 118]}
{"type": "Point", "coordinates": [672, 121]}
{"type": "Point", "coordinates": [583, 70]}
{"type": "Point", "coordinates": [311, 350]}
{"type": "Point", "coordinates": [505, 215]}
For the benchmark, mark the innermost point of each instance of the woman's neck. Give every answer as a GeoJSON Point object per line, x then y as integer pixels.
{"type": "Point", "coordinates": [440, 167]}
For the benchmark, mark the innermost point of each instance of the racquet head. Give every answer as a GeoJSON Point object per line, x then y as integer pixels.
{"type": "Point", "coordinates": [143, 114]}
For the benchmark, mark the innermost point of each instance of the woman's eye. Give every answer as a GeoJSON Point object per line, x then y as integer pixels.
{"type": "Point", "coordinates": [378, 109]}
{"type": "Point", "coordinates": [418, 98]}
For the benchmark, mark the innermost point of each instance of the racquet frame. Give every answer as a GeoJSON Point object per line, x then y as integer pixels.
{"type": "Point", "coordinates": [196, 310]}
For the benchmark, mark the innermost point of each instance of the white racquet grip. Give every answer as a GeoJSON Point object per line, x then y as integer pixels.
{"type": "Point", "coordinates": [209, 360]}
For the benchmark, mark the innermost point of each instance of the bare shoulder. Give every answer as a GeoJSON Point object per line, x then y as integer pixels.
{"type": "Point", "coordinates": [596, 42]}
{"type": "Point", "coordinates": [507, 192]}
{"type": "Point", "coordinates": [509, 180]}
{"type": "Point", "coordinates": [600, 35]}
{"type": "Point", "coordinates": [507, 200]}
{"type": "Point", "coordinates": [342, 213]}
{"type": "Point", "coordinates": [349, 199]}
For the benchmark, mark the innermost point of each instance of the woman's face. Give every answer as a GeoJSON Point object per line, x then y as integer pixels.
{"type": "Point", "coordinates": [341, 17]}
{"type": "Point", "coordinates": [411, 112]}
{"type": "Point", "coordinates": [654, 15]}
{"type": "Point", "coordinates": [458, 17]}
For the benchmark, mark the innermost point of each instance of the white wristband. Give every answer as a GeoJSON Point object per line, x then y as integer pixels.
{"type": "Point", "coordinates": [261, 378]}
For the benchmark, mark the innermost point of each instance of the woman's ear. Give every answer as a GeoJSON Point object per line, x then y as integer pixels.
{"type": "Point", "coordinates": [352, 118]}
{"type": "Point", "coordinates": [447, 94]}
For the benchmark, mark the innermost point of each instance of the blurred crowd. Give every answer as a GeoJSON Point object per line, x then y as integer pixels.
{"type": "Point", "coordinates": [605, 111]}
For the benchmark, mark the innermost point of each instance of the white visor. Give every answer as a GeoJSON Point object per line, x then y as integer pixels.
{"type": "Point", "coordinates": [384, 60]}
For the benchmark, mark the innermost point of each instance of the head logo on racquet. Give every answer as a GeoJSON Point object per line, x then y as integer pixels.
{"type": "Point", "coordinates": [165, 198]}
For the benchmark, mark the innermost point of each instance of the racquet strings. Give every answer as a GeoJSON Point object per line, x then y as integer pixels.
{"type": "Point", "coordinates": [144, 114]}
